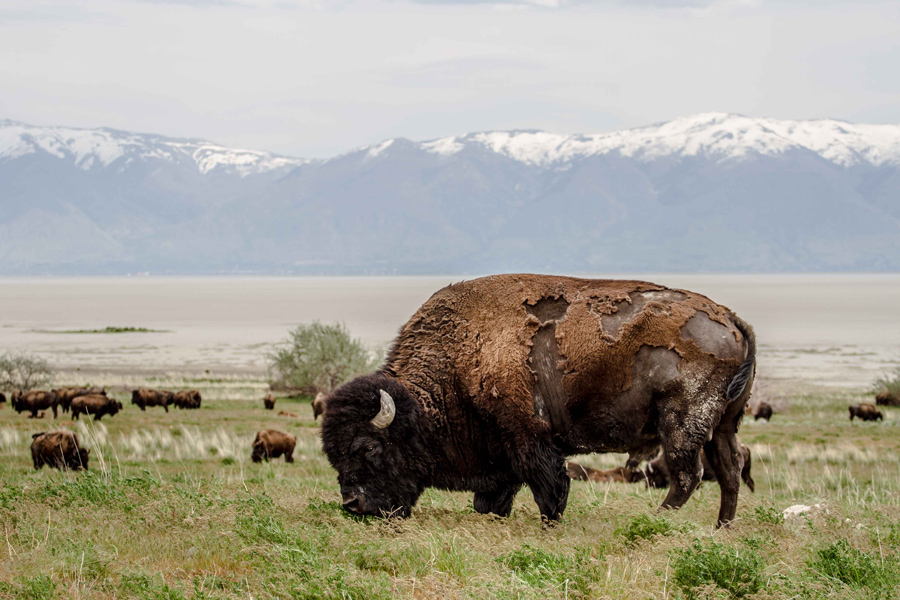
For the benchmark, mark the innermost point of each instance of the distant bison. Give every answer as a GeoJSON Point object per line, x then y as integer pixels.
{"type": "Point", "coordinates": [493, 382]}
{"type": "Point", "coordinates": [658, 475]}
{"type": "Point", "coordinates": [619, 474]}
{"type": "Point", "coordinates": [272, 444]}
{"type": "Point", "coordinates": [318, 405]}
{"type": "Point", "coordinates": [187, 399]}
{"type": "Point", "coordinates": [66, 395]}
{"type": "Point", "coordinates": [59, 450]}
{"type": "Point", "coordinates": [144, 398]}
{"type": "Point", "coordinates": [885, 398]}
{"type": "Point", "coordinates": [282, 413]}
{"type": "Point", "coordinates": [763, 411]}
{"type": "Point", "coordinates": [2, 397]}
{"type": "Point", "coordinates": [34, 401]}
{"type": "Point", "coordinates": [866, 412]}
{"type": "Point", "coordinates": [269, 401]}
{"type": "Point", "coordinates": [96, 405]}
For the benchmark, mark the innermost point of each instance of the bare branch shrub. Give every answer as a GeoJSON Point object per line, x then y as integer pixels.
{"type": "Point", "coordinates": [20, 371]}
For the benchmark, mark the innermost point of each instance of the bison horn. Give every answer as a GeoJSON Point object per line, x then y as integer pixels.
{"type": "Point", "coordinates": [387, 413]}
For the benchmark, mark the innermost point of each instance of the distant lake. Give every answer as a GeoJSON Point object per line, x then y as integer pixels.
{"type": "Point", "coordinates": [837, 329]}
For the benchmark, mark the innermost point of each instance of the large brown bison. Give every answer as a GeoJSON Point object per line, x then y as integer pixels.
{"type": "Point", "coordinates": [269, 401]}
{"type": "Point", "coordinates": [318, 405]}
{"type": "Point", "coordinates": [885, 398]}
{"type": "Point", "coordinates": [59, 450]}
{"type": "Point", "coordinates": [66, 395]}
{"type": "Point", "coordinates": [763, 411]}
{"type": "Point", "coordinates": [866, 412]}
{"type": "Point", "coordinates": [618, 475]}
{"type": "Point", "coordinates": [187, 399]}
{"type": "Point", "coordinates": [34, 401]}
{"type": "Point", "coordinates": [144, 398]}
{"type": "Point", "coordinates": [657, 474]}
{"type": "Point", "coordinates": [272, 444]}
{"type": "Point", "coordinates": [494, 381]}
{"type": "Point", "coordinates": [96, 405]}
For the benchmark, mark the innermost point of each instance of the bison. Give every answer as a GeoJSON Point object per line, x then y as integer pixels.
{"type": "Point", "coordinates": [657, 474]}
{"type": "Point", "coordinates": [494, 381]}
{"type": "Point", "coordinates": [318, 405]}
{"type": "Point", "coordinates": [66, 395]}
{"type": "Point", "coordinates": [272, 444]}
{"type": "Point", "coordinates": [144, 398]}
{"type": "Point", "coordinates": [269, 401]}
{"type": "Point", "coordinates": [59, 450]}
{"type": "Point", "coordinates": [763, 411]}
{"type": "Point", "coordinates": [2, 397]}
{"type": "Point", "coordinates": [882, 398]}
{"type": "Point", "coordinates": [34, 401]}
{"type": "Point", "coordinates": [187, 399]}
{"type": "Point", "coordinates": [283, 413]}
{"type": "Point", "coordinates": [619, 474]}
{"type": "Point", "coordinates": [96, 405]}
{"type": "Point", "coordinates": [866, 412]}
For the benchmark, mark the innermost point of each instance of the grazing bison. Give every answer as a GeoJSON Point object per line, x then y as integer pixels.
{"type": "Point", "coordinates": [59, 450]}
{"type": "Point", "coordinates": [883, 398]}
{"type": "Point", "coordinates": [144, 398]}
{"type": "Point", "coordinates": [2, 397]}
{"type": "Point", "coordinates": [763, 411]}
{"type": "Point", "coordinates": [272, 444]}
{"type": "Point", "coordinates": [494, 381]}
{"type": "Point", "coordinates": [269, 401]}
{"type": "Point", "coordinates": [34, 401]}
{"type": "Point", "coordinates": [318, 405]}
{"type": "Point", "coordinates": [40, 415]}
{"type": "Point", "coordinates": [619, 474]}
{"type": "Point", "coordinates": [66, 395]}
{"type": "Point", "coordinates": [657, 474]}
{"type": "Point", "coordinates": [866, 412]}
{"type": "Point", "coordinates": [96, 405]}
{"type": "Point", "coordinates": [282, 413]}
{"type": "Point", "coordinates": [187, 399]}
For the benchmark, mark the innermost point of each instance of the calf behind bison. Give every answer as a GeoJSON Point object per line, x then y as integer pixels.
{"type": "Point", "coordinates": [494, 381]}
{"type": "Point", "coordinates": [866, 412]}
{"type": "Point", "coordinates": [619, 474]}
{"type": "Point", "coordinates": [59, 450]}
{"type": "Point", "coordinates": [272, 444]}
{"type": "Point", "coordinates": [96, 405]}
{"type": "Point", "coordinates": [657, 474]}
{"type": "Point", "coordinates": [318, 405]}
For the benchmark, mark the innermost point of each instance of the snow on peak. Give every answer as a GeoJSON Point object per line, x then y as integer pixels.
{"type": "Point", "coordinates": [99, 148]}
{"type": "Point", "coordinates": [720, 136]}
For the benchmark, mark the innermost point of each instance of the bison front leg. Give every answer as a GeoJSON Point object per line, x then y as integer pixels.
{"type": "Point", "coordinates": [683, 436]}
{"type": "Point", "coordinates": [498, 502]}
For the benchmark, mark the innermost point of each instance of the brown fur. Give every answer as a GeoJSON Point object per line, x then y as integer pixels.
{"type": "Point", "coordinates": [577, 366]}
{"type": "Point", "coordinates": [96, 405]}
{"type": "Point", "coordinates": [885, 398]}
{"type": "Point", "coordinates": [187, 399]}
{"type": "Point", "coordinates": [657, 474]}
{"type": "Point", "coordinates": [144, 398]}
{"type": "Point", "coordinates": [66, 395]}
{"type": "Point", "coordinates": [40, 415]}
{"type": "Point", "coordinates": [34, 401]}
{"type": "Point", "coordinates": [270, 443]}
{"type": "Point", "coordinates": [59, 450]}
{"type": "Point", "coordinates": [318, 405]}
{"type": "Point", "coordinates": [282, 413]}
{"type": "Point", "coordinates": [763, 411]}
{"type": "Point", "coordinates": [618, 475]}
{"type": "Point", "coordinates": [866, 412]}
{"type": "Point", "coordinates": [269, 401]}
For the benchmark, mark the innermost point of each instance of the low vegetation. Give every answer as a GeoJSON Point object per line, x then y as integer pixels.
{"type": "Point", "coordinates": [173, 508]}
{"type": "Point", "coordinates": [889, 383]}
{"type": "Point", "coordinates": [116, 330]}
{"type": "Point", "coordinates": [21, 371]}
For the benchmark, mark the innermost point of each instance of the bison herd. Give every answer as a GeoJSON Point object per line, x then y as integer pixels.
{"type": "Point", "coordinates": [494, 382]}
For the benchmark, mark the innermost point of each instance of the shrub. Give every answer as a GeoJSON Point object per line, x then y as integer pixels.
{"type": "Point", "coordinates": [318, 358]}
{"type": "Point", "coordinates": [644, 527]}
{"type": "Point", "coordinates": [769, 515]}
{"type": "Point", "coordinates": [737, 571]}
{"type": "Point", "coordinates": [538, 567]}
{"type": "Point", "coordinates": [20, 371]}
{"type": "Point", "coordinates": [855, 568]}
{"type": "Point", "coordinates": [889, 383]}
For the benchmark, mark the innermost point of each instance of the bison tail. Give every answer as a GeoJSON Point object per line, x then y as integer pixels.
{"type": "Point", "coordinates": [741, 383]}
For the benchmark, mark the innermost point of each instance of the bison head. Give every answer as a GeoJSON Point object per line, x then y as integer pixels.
{"type": "Point", "coordinates": [372, 435]}
{"type": "Point", "coordinates": [81, 462]}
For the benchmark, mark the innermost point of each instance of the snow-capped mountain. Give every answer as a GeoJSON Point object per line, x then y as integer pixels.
{"type": "Point", "coordinates": [710, 192]}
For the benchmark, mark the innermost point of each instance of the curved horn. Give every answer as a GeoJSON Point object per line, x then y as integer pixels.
{"type": "Point", "coordinates": [387, 413]}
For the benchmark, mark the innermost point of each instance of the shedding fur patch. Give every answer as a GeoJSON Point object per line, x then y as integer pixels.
{"type": "Point", "coordinates": [546, 362]}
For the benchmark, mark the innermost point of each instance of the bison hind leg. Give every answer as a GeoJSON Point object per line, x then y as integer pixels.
{"type": "Point", "coordinates": [544, 470]}
{"type": "Point", "coordinates": [498, 502]}
{"type": "Point", "coordinates": [725, 455]}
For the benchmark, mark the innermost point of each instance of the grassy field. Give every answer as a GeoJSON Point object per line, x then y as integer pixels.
{"type": "Point", "coordinates": [173, 508]}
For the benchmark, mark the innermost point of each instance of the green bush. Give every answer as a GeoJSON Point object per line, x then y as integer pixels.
{"type": "Point", "coordinates": [769, 515]}
{"type": "Point", "coordinates": [538, 567]}
{"type": "Point", "coordinates": [318, 358]}
{"type": "Point", "coordinates": [855, 568]}
{"type": "Point", "coordinates": [738, 571]}
{"type": "Point", "coordinates": [644, 527]}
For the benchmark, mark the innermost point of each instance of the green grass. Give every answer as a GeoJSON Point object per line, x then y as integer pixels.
{"type": "Point", "coordinates": [115, 330]}
{"type": "Point", "coordinates": [174, 508]}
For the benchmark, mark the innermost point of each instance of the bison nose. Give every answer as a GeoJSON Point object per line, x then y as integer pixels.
{"type": "Point", "coordinates": [351, 503]}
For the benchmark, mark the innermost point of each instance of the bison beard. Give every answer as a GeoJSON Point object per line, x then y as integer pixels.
{"type": "Point", "coordinates": [493, 382]}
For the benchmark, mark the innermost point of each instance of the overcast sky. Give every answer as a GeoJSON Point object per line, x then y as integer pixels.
{"type": "Point", "coordinates": [314, 78]}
